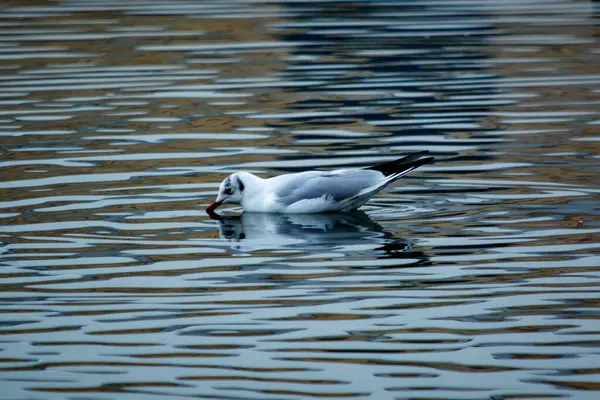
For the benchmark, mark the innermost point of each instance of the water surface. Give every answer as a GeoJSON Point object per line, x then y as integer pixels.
{"type": "Point", "coordinates": [475, 277]}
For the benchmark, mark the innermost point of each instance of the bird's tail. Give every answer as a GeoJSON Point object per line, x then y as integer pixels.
{"type": "Point", "coordinates": [392, 170]}
{"type": "Point", "coordinates": [398, 168]}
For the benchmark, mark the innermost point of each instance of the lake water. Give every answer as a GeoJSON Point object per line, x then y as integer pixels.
{"type": "Point", "coordinates": [476, 277]}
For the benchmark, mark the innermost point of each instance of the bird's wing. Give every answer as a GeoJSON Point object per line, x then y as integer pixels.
{"type": "Point", "coordinates": [337, 185]}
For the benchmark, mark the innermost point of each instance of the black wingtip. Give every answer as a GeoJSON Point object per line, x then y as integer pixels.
{"type": "Point", "coordinates": [423, 161]}
{"type": "Point", "coordinates": [400, 165]}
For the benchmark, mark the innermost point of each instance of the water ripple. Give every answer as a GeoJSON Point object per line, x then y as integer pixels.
{"type": "Point", "coordinates": [119, 119]}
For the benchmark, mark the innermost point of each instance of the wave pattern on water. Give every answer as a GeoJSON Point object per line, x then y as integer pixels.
{"type": "Point", "coordinates": [477, 277]}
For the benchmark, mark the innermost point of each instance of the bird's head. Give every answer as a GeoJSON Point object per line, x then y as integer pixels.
{"type": "Point", "coordinates": [230, 191]}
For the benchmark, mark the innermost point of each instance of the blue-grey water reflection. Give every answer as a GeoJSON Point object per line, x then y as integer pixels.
{"type": "Point", "coordinates": [306, 232]}
{"type": "Point", "coordinates": [475, 277]}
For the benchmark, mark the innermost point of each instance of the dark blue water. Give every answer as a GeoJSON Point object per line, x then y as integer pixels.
{"type": "Point", "coordinates": [475, 277]}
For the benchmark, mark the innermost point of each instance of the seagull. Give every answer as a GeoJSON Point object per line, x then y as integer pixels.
{"type": "Point", "coordinates": [312, 192]}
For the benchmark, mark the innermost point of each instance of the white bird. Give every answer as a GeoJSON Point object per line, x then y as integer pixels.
{"type": "Point", "coordinates": [313, 191]}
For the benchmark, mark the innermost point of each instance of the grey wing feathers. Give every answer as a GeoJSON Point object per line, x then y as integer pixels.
{"type": "Point", "coordinates": [338, 185]}
{"type": "Point", "coordinates": [351, 187]}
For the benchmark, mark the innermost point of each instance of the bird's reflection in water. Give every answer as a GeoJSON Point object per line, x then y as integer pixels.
{"type": "Point", "coordinates": [346, 232]}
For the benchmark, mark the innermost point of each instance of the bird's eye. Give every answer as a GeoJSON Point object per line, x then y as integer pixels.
{"type": "Point", "coordinates": [228, 191]}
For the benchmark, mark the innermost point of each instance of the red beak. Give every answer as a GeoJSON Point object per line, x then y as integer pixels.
{"type": "Point", "coordinates": [213, 206]}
